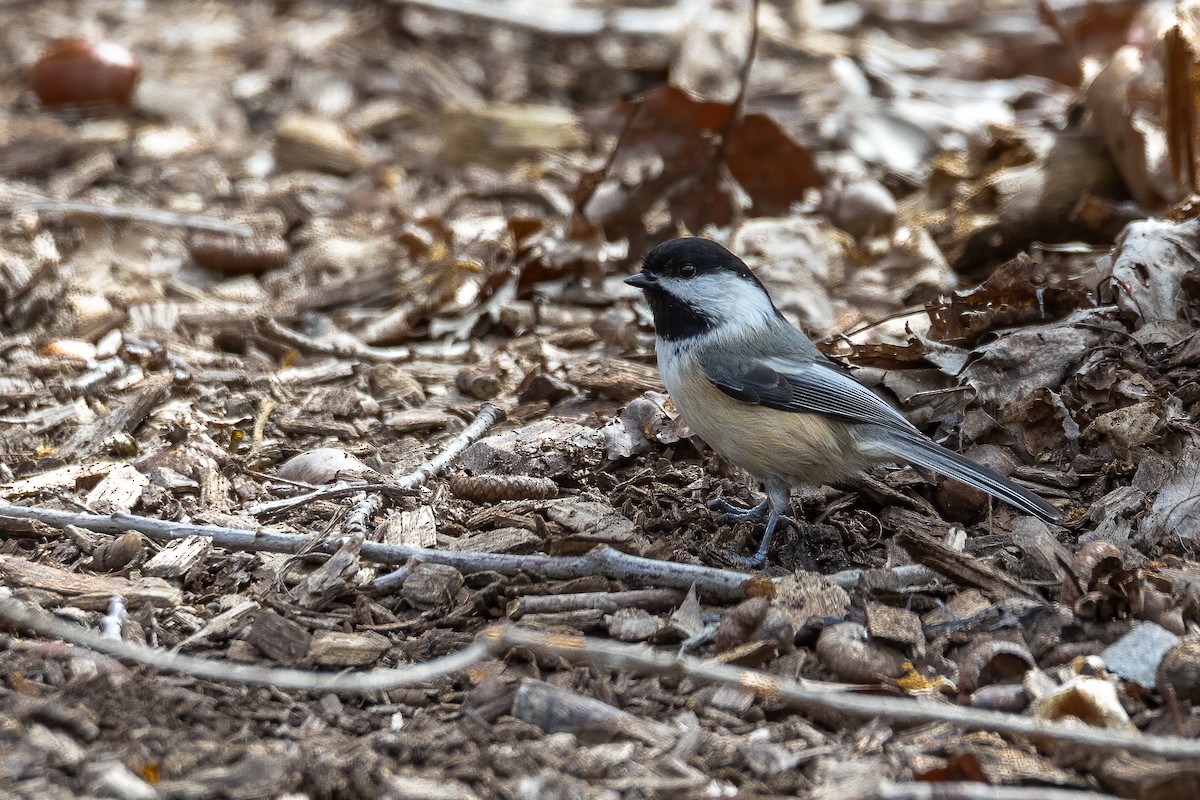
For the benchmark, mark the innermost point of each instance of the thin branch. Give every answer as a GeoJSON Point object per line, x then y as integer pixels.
{"type": "Point", "coordinates": [806, 696]}
{"type": "Point", "coordinates": [29, 617]}
{"type": "Point", "coordinates": [499, 639]}
{"type": "Point", "coordinates": [897, 579]}
{"type": "Point", "coordinates": [552, 20]}
{"type": "Point", "coordinates": [973, 790]}
{"type": "Point", "coordinates": [330, 492]}
{"type": "Point", "coordinates": [489, 414]}
{"type": "Point", "coordinates": [866, 326]}
{"type": "Point", "coordinates": [739, 102]}
{"type": "Point", "coordinates": [151, 215]}
{"type": "Point", "coordinates": [365, 508]}
{"type": "Point", "coordinates": [717, 584]}
{"type": "Point", "coordinates": [343, 345]}
{"type": "Point", "coordinates": [608, 602]}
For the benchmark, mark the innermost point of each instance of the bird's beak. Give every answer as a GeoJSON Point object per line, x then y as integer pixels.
{"type": "Point", "coordinates": [640, 281]}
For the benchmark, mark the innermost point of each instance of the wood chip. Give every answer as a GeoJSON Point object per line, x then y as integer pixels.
{"type": "Point", "coordinates": [617, 378]}
{"type": "Point", "coordinates": [556, 710]}
{"type": "Point", "coordinates": [501, 540]}
{"type": "Point", "coordinates": [416, 528]}
{"type": "Point", "coordinates": [61, 478]}
{"type": "Point", "coordinates": [91, 592]}
{"type": "Point", "coordinates": [632, 625]}
{"type": "Point", "coordinates": [411, 787]}
{"type": "Point", "coordinates": [420, 419]}
{"type": "Point", "coordinates": [223, 625]}
{"type": "Point", "coordinates": [336, 649]}
{"type": "Point", "coordinates": [546, 449]}
{"type": "Point", "coordinates": [963, 568]}
{"type": "Point", "coordinates": [119, 492]}
{"type": "Point", "coordinates": [139, 403]}
{"type": "Point", "coordinates": [432, 585]}
{"type": "Point", "coordinates": [896, 625]}
{"type": "Point", "coordinates": [591, 524]}
{"type": "Point", "coordinates": [963, 606]}
{"type": "Point", "coordinates": [277, 637]}
{"type": "Point", "coordinates": [179, 557]}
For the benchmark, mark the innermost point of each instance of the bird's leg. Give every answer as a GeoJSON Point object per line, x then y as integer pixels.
{"type": "Point", "coordinates": [779, 495]}
{"type": "Point", "coordinates": [731, 512]}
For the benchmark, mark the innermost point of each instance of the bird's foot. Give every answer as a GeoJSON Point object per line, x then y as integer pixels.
{"type": "Point", "coordinates": [731, 512]}
{"type": "Point", "coordinates": [760, 556]}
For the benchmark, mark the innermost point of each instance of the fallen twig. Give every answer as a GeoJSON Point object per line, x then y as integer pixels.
{"type": "Point", "coordinates": [806, 696]}
{"type": "Point", "coordinates": [717, 584]}
{"type": "Point", "coordinates": [896, 579]}
{"type": "Point", "coordinates": [151, 215]}
{"type": "Point", "coordinates": [341, 345]}
{"type": "Point", "coordinates": [608, 602]}
{"type": "Point", "coordinates": [962, 568]}
{"type": "Point", "coordinates": [566, 21]}
{"type": "Point", "coordinates": [974, 790]}
{"type": "Point", "coordinates": [365, 509]}
{"type": "Point", "coordinates": [30, 617]}
{"type": "Point", "coordinates": [488, 416]}
{"type": "Point", "coordinates": [499, 639]}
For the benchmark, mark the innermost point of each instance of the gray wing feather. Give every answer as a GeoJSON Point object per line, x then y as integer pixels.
{"type": "Point", "coordinates": [819, 387]}
{"type": "Point", "coordinates": [802, 386]}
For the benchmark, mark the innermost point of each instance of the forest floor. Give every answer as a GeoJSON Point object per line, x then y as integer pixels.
{"type": "Point", "coordinates": [325, 242]}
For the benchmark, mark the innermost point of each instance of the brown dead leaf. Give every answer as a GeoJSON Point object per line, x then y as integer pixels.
{"type": "Point", "coordinates": [674, 149]}
{"type": "Point", "coordinates": [1015, 294]}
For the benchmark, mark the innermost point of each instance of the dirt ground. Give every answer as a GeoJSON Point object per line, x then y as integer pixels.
{"type": "Point", "coordinates": [320, 239]}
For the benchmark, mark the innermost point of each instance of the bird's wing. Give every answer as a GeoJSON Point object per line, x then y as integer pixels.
{"type": "Point", "coordinates": [801, 386]}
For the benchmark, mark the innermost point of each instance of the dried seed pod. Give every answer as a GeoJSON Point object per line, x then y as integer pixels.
{"type": "Point", "coordinates": [117, 554]}
{"type": "Point", "coordinates": [993, 661]}
{"type": "Point", "coordinates": [238, 255]}
{"type": "Point", "coordinates": [1095, 606]}
{"type": "Point", "coordinates": [739, 623]}
{"type": "Point", "coordinates": [1179, 670]}
{"type": "Point", "coordinates": [1092, 700]}
{"type": "Point", "coordinates": [84, 75]}
{"type": "Point", "coordinates": [1159, 607]}
{"type": "Point", "coordinates": [479, 383]}
{"type": "Point", "coordinates": [308, 142]}
{"type": "Point", "coordinates": [852, 655]}
{"type": "Point", "coordinates": [494, 488]}
{"type": "Point", "coordinates": [1095, 560]}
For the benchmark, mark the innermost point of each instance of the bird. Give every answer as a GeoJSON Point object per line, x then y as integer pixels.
{"type": "Point", "coordinates": [760, 393]}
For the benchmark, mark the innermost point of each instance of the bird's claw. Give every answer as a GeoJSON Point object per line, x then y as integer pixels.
{"type": "Point", "coordinates": [747, 562]}
{"type": "Point", "coordinates": [735, 513]}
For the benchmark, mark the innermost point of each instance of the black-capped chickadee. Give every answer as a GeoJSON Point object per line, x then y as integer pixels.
{"type": "Point", "coordinates": [760, 393]}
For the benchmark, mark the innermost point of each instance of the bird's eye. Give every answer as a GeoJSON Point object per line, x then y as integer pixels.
{"type": "Point", "coordinates": [687, 271]}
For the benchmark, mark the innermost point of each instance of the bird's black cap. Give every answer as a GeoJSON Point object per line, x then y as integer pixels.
{"type": "Point", "coordinates": [676, 316]}
{"type": "Point", "coordinates": [704, 254]}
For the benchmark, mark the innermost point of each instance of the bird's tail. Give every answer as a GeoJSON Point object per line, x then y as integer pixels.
{"type": "Point", "coordinates": [925, 453]}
